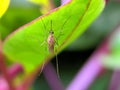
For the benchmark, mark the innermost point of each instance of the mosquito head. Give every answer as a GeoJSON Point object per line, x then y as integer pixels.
{"type": "Point", "coordinates": [51, 32]}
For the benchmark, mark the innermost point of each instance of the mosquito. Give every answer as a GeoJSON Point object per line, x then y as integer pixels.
{"type": "Point", "coordinates": [52, 41]}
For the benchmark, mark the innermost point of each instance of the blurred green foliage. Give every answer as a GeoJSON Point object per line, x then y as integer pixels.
{"type": "Point", "coordinates": [102, 81]}
{"type": "Point", "coordinates": [18, 14]}
{"type": "Point", "coordinates": [112, 59]}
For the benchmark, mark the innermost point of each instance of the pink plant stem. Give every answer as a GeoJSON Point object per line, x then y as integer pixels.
{"type": "Point", "coordinates": [5, 74]}
{"type": "Point", "coordinates": [28, 80]}
{"type": "Point", "coordinates": [90, 71]}
{"type": "Point", "coordinates": [52, 78]}
{"type": "Point", "coordinates": [115, 81]}
{"type": "Point", "coordinates": [14, 70]}
{"type": "Point", "coordinates": [3, 69]}
{"type": "Point", "coordinates": [3, 84]}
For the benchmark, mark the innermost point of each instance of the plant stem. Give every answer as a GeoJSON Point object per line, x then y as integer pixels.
{"type": "Point", "coordinates": [28, 80]}
{"type": "Point", "coordinates": [115, 81]}
{"type": "Point", "coordinates": [52, 78]}
{"type": "Point", "coordinates": [90, 71]}
{"type": "Point", "coordinates": [14, 70]}
{"type": "Point", "coordinates": [3, 69]}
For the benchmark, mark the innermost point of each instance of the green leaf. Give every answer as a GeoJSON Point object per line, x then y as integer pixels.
{"type": "Point", "coordinates": [26, 45]}
{"type": "Point", "coordinates": [111, 61]}
{"type": "Point", "coordinates": [115, 42]}
{"type": "Point", "coordinates": [3, 6]}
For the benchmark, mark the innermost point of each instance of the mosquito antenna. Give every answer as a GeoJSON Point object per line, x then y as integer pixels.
{"type": "Point", "coordinates": [45, 29]}
{"type": "Point", "coordinates": [43, 24]}
{"type": "Point", "coordinates": [50, 24]}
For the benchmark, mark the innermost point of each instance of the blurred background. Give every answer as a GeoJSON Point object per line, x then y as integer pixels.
{"type": "Point", "coordinates": [73, 57]}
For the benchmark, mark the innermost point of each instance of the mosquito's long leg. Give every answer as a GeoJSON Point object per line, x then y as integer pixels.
{"type": "Point", "coordinates": [57, 65]}
{"type": "Point", "coordinates": [56, 42]}
{"type": "Point", "coordinates": [45, 40]}
{"type": "Point", "coordinates": [56, 58]}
